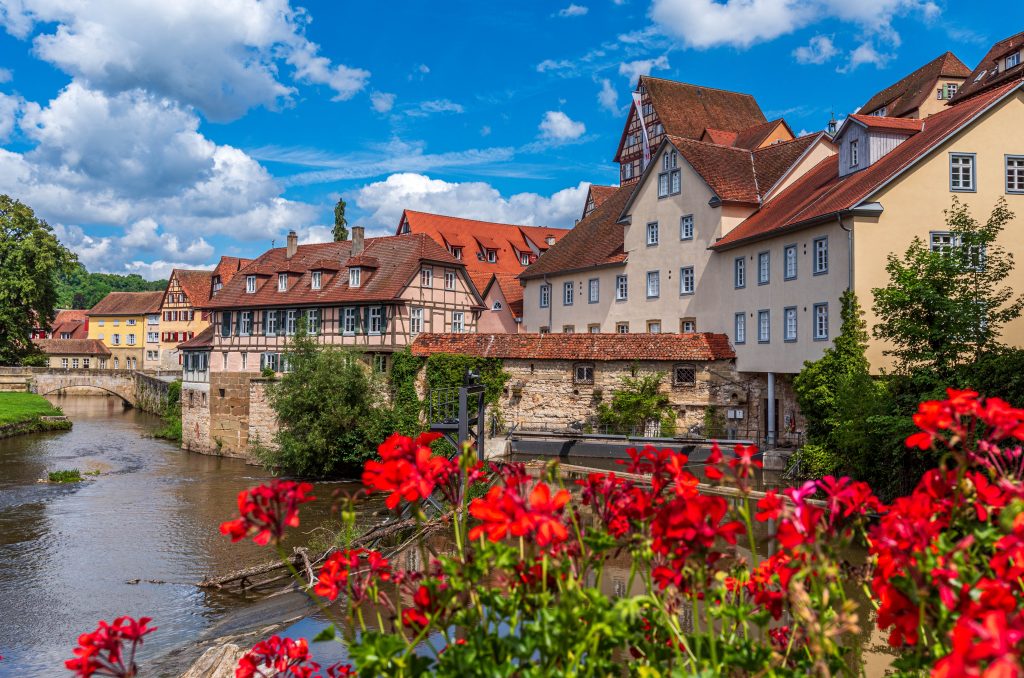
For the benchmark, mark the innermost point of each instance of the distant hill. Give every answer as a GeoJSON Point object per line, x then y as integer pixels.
{"type": "Point", "coordinates": [82, 289]}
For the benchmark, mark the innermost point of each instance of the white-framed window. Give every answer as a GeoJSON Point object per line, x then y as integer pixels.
{"type": "Point", "coordinates": [449, 280]}
{"type": "Point", "coordinates": [653, 327]}
{"type": "Point", "coordinates": [545, 295]}
{"type": "Point", "coordinates": [291, 318]}
{"type": "Point", "coordinates": [763, 267]}
{"type": "Point", "coordinates": [686, 227]}
{"type": "Point", "coordinates": [789, 259]}
{"type": "Point", "coordinates": [64, 363]}
{"type": "Point", "coordinates": [622, 328]}
{"type": "Point", "coordinates": [270, 323]}
{"type": "Point", "coordinates": [663, 184]}
{"type": "Point", "coordinates": [544, 329]}
{"type": "Point", "coordinates": [380, 362]}
{"type": "Point", "coordinates": [282, 282]}
{"type": "Point", "coordinates": [739, 272]}
{"type": "Point", "coordinates": [583, 373]}
{"type": "Point", "coordinates": [670, 160]}
{"type": "Point", "coordinates": [426, 277]}
{"type": "Point", "coordinates": [821, 255]}
{"type": "Point", "coordinates": [961, 172]}
{"type": "Point", "coordinates": [764, 326]}
{"type": "Point", "coordinates": [568, 329]}
{"type": "Point", "coordinates": [117, 323]}
{"type": "Point", "coordinates": [621, 288]}
{"type": "Point", "coordinates": [245, 324]}
{"type": "Point", "coordinates": [652, 233]}
{"type": "Point", "coordinates": [131, 338]}
{"type": "Point", "coordinates": [496, 306]}
{"type": "Point", "coordinates": [131, 322]}
{"type": "Point", "coordinates": [457, 252]}
{"type": "Point", "coordinates": [594, 329]}
{"type": "Point", "coordinates": [568, 290]}
{"type": "Point", "coordinates": [355, 276]}
{"type": "Point", "coordinates": [854, 159]}
{"type": "Point", "coordinates": [115, 339]}
{"type": "Point", "coordinates": [687, 280]}
{"type": "Point", "coordinates": [1015, 174]}
{"type": "Point", "coordinates": [653, 284]}
{"type": "Point", "coordinates": [153, 319]}
{"type": "Point", "coordinates": [675, 182]}
{"type": "Point", "coordinates": [152, 337]}
{"type": "Point", "coordinates": [313, 320]}
{"type": "Point", "coordinates": [101, 322]}
{"type": "Point", "coordinates": [492, 256]}
{"type": "Point", "coordinates": [942, 242]}
{"type": "Point", "coordinates": [350, 319]}
{"type": "Point", "coordinates": [85, 363]}
{"type": "Point", "coordinates": [316, 279]}
{"type": "Point", "coordinates": [458, 322]}
{"type": "Point", "coordinates": [789, 323]}
{"type": "Point", "coordinates": [951, 88]}
{"type": "Point", "coordinates": [250, 284]}
{"type": "Point", "coordinates": [524, 259]}
{"type": "Point", "coordinates": [376, 325]}
{"type": "Point", "coordinates": [594, 290]}
{"type": "Point", "coordinates": [415, 320]}
{"type": "Point", "coordinates": [1012, 60]}
{"type": "Point", "coordinates": [74, 363]}
{"type": "Point", "coordinates": [687, 325]}
{"type": "Point", "coordinates": [100, 337]}
{"type": "Point", "coordinates": [820, 322]}
{"type": "Point", "coordinates": [627, 171]}
{"type": "Point", "coordinates": [271, 360]}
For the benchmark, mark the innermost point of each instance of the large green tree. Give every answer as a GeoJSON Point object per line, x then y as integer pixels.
{"type": "Point", "coordinates": [31, 259]}
{"type": "Point", "coordinates": [340, 222]}
{"type": "Point", "coordinates": [78, 288]}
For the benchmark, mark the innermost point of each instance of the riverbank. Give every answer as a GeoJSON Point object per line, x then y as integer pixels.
{"type": "Point", "coordinates": [22, 413]}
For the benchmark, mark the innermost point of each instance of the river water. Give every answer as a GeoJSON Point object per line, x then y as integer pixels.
{"type": "Point", "coordinates": [67, 552]}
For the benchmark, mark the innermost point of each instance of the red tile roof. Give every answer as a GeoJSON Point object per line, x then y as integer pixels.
{"type": "Point", "coordinates": [227, 267]}
{"type": "Point", "coordinates": [583, 346]}
{"type": "Point", "coordinates": [880, 122]}
{"type": "Point", "coordinates": [510, 289]}
{"type": "Point", "coordinates": [822, 192]}
{"type": "Point", "coordinates": [71, 321]}
{"type": "Point", "coordinates": [907, 95]}
{"type": "Point", "coordinates": [990, 72]}
{"type": "Point", "coordinates": [601, 193]}
{"type": "Point", "coordinates": [595, 241]}
{"type": "Point", "coordinates": [719, 136]}
{"type": "Point", "coordinates": [88, 347]}
{"type": "Point", "coordinates": [754, 136]}
{"type": "Point", "coordinates": [128, 303]}
{"type": "Point", "coordinates": [687, 110]}
{"type": "Point", "coordinates": [772, 162]}
{"type": "Point", "coordinates": [202, 340]}
{"type": "Point", "coordinates": [197, 285]}
{"type": "Point", "coordinates": [400, 258]}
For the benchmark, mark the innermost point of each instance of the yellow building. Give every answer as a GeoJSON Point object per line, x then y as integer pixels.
{"type": "Point", "coordinates": [122, 321]}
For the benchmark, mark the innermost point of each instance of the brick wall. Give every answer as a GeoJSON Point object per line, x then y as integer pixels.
{"type": "Point", "coordinates": [263, 424]}
{"type": "Point", "coordinates": [229, 412]}
{"type": "Point", "coordinates": [195, 419]}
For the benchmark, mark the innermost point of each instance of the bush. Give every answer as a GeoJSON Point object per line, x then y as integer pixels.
{"type": "Point", "coordinates": [638, 401]}
{"type": "Point", "coordinates": [172, 414]}
{"type": "Point", "coordinates": [66, 476]}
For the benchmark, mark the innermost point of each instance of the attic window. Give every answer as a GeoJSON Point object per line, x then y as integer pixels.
{"type": "Point", "coordinates": [316, 279]}
{"type": "Point", "coordinates": [1012, 60]}
{"type": "Point", "coordinates": [250, 284]}
{"type": "Point", "coordinates": [217, 284]}
{"type": "Point", "coordinates": [492, 256]}
{"type": "Point", "coordinates": [980, 75]}
{"type": "Point", "coordinates": [282, 282]}
{"type": "Point", "coordinates": [550, 240]}
{"type": "Point", "coordinates": [355, 275]}
{"type": "Point", "coordinates": [496, 306]}
{"type": "Point", "coordinates": [853, 153]}
{"type": "Point", "coordinates": [457, 252]}
{"type": "Point", "coordinates": [524, 259]}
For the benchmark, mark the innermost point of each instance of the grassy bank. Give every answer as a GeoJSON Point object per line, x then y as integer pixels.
{"type": "Point", "coordinates": [25, 412]}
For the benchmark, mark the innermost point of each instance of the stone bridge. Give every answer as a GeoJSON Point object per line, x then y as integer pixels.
{"type": "Point", "coordinates": [145, 390]}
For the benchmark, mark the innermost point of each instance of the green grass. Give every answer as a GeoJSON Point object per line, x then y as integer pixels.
{"type": "Point", "coordinates": [18, 407]}
{"type": "Point", "coordinates": [68, 476]}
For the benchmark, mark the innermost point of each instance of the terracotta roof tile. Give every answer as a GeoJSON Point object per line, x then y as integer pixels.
{"type": "Point", "coordinates": [772, 162]}
{"type": "Point", "coordinates": [197, 285]}
{"type": "Point", "coordinates": [511, 290]}
{"type": "Point", "coordinates": [601, 193]}
{"type": "Point", "coordinates": [754, 136]}
{"type": "Point", "coordinates": [582, 346]}
{"type": "Point", "coordinates": [687, 110]}
{"type": "Point", "coordinates": [202, 340]}
{"type": "Point", "coordinates": [990, 70]}
{"type": "Point", "coordinates": [879, 122]}
{"type": "Point", "coordinates": [128, 303]}
{"type": "Point", "coordinates": [910, 92]}
{"type": "Point", "coordinates": [719, 136]}
{"type": "Point", "coordinates": [72, 347]}
{"type": "Point", "coordinates": [71, 321]}
{"type": "Point", "coordinates": [227, 267]}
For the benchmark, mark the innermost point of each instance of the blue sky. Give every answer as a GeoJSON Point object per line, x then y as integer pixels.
{"type": "Point", "coordinates": [154, 135]}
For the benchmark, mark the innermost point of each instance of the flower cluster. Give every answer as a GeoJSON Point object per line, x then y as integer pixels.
{"type": "Point", "coordinates": [285, 658]}
{"type": "Point", "coordinates": [513, 508]}
{"type": "Point", "coordinates": [408, 470]}
{"type": "Point", "coordinates": [336, 574]}
{"type": "Point", "coordinates": [266, 510]}
{"type": "Point", "coordinates": [103, 652]}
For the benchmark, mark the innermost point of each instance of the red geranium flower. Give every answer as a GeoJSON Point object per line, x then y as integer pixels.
{"type": "Point", "coordinates": [409, 469]}
{"type": "Point", "coordinates": [102, 652]}
{"type": "Point", "coordinates": [337, 574]}
{"type": "Point", "coordinates": [503, 511]}
{"type": "Point", "coordinates": [266, 510]}
{"type": "Point", "coordinates": [277, 656]}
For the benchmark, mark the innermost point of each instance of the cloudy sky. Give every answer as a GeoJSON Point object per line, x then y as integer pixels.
{"type": "Point", "coordinates": [161, 134]}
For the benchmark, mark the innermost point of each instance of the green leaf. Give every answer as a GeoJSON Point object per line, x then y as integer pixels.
{"type": "Point", "coordinates": [327, 634]}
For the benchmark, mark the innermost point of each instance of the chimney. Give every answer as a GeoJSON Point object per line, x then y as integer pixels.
{"type": "Point", "coordinates": [293, 244]}
{"type": "Point", "coordinates": [357, 240]}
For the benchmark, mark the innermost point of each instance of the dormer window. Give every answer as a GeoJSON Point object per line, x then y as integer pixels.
{"type": "Point", "coordinates": [853, 153]}
{"type": "Point", "coordinates": [1012, 60]}
{"type": "Point", "coordinates": [217, 284]}
{"type": "Point", "coordinates": [315, 279]}
{"type": "Point", "coordinates": [524, 259]}
{"type": "Point", "coordinates": [250, 284]}
{"type": "Point", "coordinates": [355, 275]}
{"type": "Point", "coordinates": [282, 282]}
{"type": "Point", "coordinates": [457, 252]}
{"type": "Point", "coordinates": [550, 240]}
{"type": "Point", "coordinates": [492, 256]}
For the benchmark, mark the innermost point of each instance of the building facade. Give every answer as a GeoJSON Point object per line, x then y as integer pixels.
{"type": "Point", "coordinates": [122, 321]}
{"type": "Point", "coordinates": [74, 354]}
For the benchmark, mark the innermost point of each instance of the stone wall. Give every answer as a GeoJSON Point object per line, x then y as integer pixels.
{"type": "Point", "coordinates": [263, 424]}
{"type": "Point", "coordinates": [195, 418]}
{"type": "Point", "coordinates": [229, 412]}
{"type": "Point", "coordinates": [150, 393]}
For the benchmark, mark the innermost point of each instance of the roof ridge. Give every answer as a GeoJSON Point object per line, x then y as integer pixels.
{"type": "Point", "coordinates": [690, 84]}
{"type": "Point", "coordinates": [479, 221]}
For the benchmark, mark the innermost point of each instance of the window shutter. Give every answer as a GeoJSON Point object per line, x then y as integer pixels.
{"type": "Point", "coordinates": [236, 322]}
{"type": "Point", "coordinates": [383, 319]}
{"type": "Point", "coordinates": [366, 319]}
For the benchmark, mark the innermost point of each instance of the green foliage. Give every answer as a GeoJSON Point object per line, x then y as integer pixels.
{"type": "Point", "coordinates": [942, 310]}
{"type": "Point", "coordinates": [714, 423]}
{"type": "Point", "coordinates": [19, 407]}
{"type": "Point", "coordinates": [35, 359]}
{"type": "Point", "coordinates": [449, 370]}
{"type": "Point", "coordinates": [998, 373]}
{"type": "Point", "coordinates": [77, 288]}
{"type": "Point", "coordinates": [66, 476]}
{"type": "Point", "coordinates": [172, 414]}
{"type": "Point", "coordinates": [404, 368]}
{"type": "Point", "coordinates": [340, 222]}
{"type": "Point", "coordinates": [638, 401]}
{"type": "Point", "coordinates": [31, 259]}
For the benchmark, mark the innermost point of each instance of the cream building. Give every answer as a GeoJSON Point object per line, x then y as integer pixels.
{"type": "Point", "coordinates": [120, 321]}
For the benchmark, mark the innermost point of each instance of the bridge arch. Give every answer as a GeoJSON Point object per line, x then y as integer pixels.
{"type": "Point", "coordinates": [64, 387]}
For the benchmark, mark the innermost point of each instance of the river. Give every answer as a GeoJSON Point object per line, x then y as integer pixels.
{"type": "Point", "coordinates": [67, 552]}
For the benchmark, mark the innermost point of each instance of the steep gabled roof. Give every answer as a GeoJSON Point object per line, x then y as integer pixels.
{"type": "Point", "coordinates": [202, 340]}
{"type": "Point", "coordinates": [128, 303]}
{"type": "Point", "coordinates": [990, 72]}
{"type": "Point", "coordinates": [86, 347]}
{"type": "Point", "coordinates": [510, 289]}
{"type": "Point", "coordinates": [71, 321]}
{"type": "Point", "coordinates": [822, 193]}
{"type": "Point", "coordinates": [888, 123]}
{"type": "Point", "coordinates": [754, 136]}
{"type": "Point", "coordinates": [910, 92]}
{"type": "Point", "coordinates": [596, 241]}
{"type": "Point", "coordinates": [227, 267]}
{"type": "Point", "coordinates": [197, 285]}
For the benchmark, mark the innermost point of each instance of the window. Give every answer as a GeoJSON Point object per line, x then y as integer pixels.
{"type": "Point", "coordinates": [64, 362]}
{"type": "Point", "coordinates": [1015, 174]}
{"type": "Point", "coordinates": [458, 322]}
{"type": "Point", "coordinates": [789, 262]}
{"type": "Point", "coordinates": [653, 327]}
{"type": "Point", "coordinates": [663, 184]}
{"type": "Point", "coordinates": [101, 322]}
{"type": "Point", "coordinates": [117, 323]}
{"type": "Point", "coordinates": [653, 284]}
{"type": "Point", "coordinates": [74, 363]}
{"type": "Point", "coordinates": [65, 335]}
{"type": "Point", "coordinates": [131, 339]}
{"type": "Point", "coordinates": [820, 322]}
{"type": "Point", "coordinates": [524, 259]}
{"type": "Point", "coordinates": [853, 153]}
{"type": "Point", "coordinates": [627, 171]}
{"type": "Point", "coordinates": [224, 362]}
{"type": "Point", "coordinates": [622, 328]}
{"type": "Point", "coordinates": [686, 280]}
{"type": "Point", "coordinates": [313, 320]}
{"type": "Point", "coordinates": [415, 321]}
{"type": "Point", "coordinates": [961, 172]}
{"type": "Point", "coordinates": [942, 242]}
{"type": "Point", "coordinates": [116, 363]}
{"type": "Point", "coordinates": [568, 329]}
{"type": "Point", "coordinates": [687, 325]}
{"type": "Point", "coordinates": [270, 323]}
{"type": "Point", "coordinates": [376, 324]}
{"type": "Point", "coordinates": [153, 319]}
{"type": "Point", "coordinates": [593, 290]}
{"type": "Point", "coordinates": [686, 227]}
{"type": "Point", "coordinates": [675, 180]}
{"type": "Point", "coordinates": [764, 327]}
{"type": "Point", "coordinates": [652, 234]}
{"type": "Point", "coordinates": [250, 284]}
{"type": "Point", "coordinates": [426, 277]}
{"type": "Point", "coordinates": [594, 329]}
{"type": "Point", "coordinates": [282, 282]}
{"type": "Point", "coordinates": [85, 363]}
{"type": "Point", "coordinates": [789, 324]}
{"type": "Point", "coordinates": [1012, 60]}
{"type": "Point", "coordinates": [115, 339]}
{"type": "Point", "coordinates": [684, 375]}
{"type": "Point", "coordinates": [271, 360]}
{"type": "Point", "coordinates": [380, 362]}
{"type": "Point", "coordinates": [355, 275]}
{"type": "Point", "coordinates": [290, 319]}
{"type": "Point", "coordinates": [583, 373]}
{"type": "Point", "coordinates": [152, 337]}
{"type": "Point", "coordinates": [492, 256]}
{"type": "Point", "coordinates": [763, 267]}
{"type": "Point", "coordinates": [545, 295]}
{"type": "Point", "coordinates": [496, 306]}
{"type": "Point", "coordinates": [100, 337]}
{"type": "Point", "coordinates": [449, 280]}
{"type": "Point", "coordinates": [349, 322]}
{"type": "Point", "coordinates": [457, 252]}
{"type": "Point", "coordinates": [621, 288]}
{"type": "Point", "coordinates": [567, 293]}
{"type": "Point", "coordinates": [315, 279]}
{"type": "Point", "coordinates": [545, 329]}
{"type": "Point", "coordinates": [739, 272]}
{"type": "Point", "coordinates": [821, 255]}
{"type": "Point", "coordinates": [245, 360]}
{"type": "Point", "coordinates": [245, 324]}
{"type": "Point", "coordinates": [951, 88]}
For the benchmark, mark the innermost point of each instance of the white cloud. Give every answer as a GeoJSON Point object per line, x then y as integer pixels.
{"type": "Point", "coordinates": [9, 107]}
{"type": "Point", "coordinates": [819, 50]}
{"type": "Point", "coordinates": [865, 54]}
{"type": "Point", "coordinates": [382, 102]}
{"type": "Point", "coordinates": [436, 106]}
{"type": "Point", "coordinates": [552, 65]}
{"type": "Point", "coordinates": [383, 201]}
{"type": "Point", "coordinates": [485, 131]}
{"type": "Point", "coordinates": [558, 126]}
{"type": "Point", "coordinates": [143, 241]}
{"type": "Point", "coordinates": [634, 69]}
{"type": "Point", "coordinates": [6, 75]}
{"type": "Point", "coordinates": [573, 10]}
{"type": "Point", "coordinates": [608, 97]}
{"type": "Point", "coordinates": [221, 57]}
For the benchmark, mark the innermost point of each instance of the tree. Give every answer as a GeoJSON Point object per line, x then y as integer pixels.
{"type": "Point", "coordinates": [340, 222]}
{"type": "Point", "coordinates": [638, 402]}
{"type": "Point", "coordinates": [31, 259]}
{"type": "Point", "coordinates": [944, 307]}
{"type": "Point", "coordinates": [78, 288]}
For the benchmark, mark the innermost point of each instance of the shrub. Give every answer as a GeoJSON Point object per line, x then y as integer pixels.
{"type": "Point", "coordinates": [66, 476]}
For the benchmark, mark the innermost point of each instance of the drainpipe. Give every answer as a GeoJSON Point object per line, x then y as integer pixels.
{"type": "Point", "coordinates": [551, 303]}
{"type": "Point", "coordinates": [771, 410]}
{"type": "Point", "coordinates": [849, 251]}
